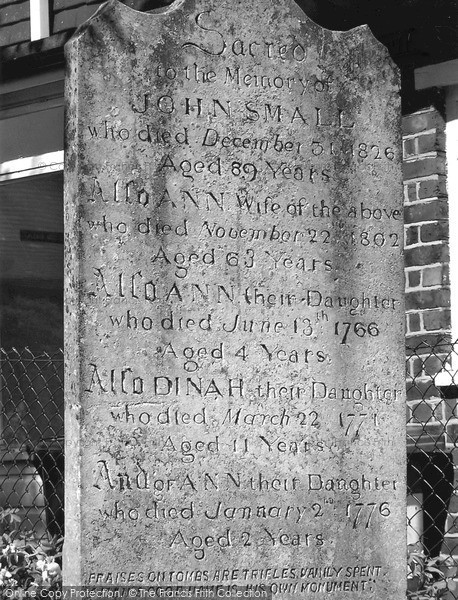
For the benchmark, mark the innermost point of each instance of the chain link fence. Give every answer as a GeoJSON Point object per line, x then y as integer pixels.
{"type": "Point", "coordinates": [432, 445]}
{"type": "Point", "coordinates": [32, 451]}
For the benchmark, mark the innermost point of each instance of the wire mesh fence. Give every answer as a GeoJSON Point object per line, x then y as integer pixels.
{"type": "Point", "coordinates": [32, 454]}
{"type": "Point", "coordinates": [432, 444]}
{"type": "Point", "coordinates": [31, 451]}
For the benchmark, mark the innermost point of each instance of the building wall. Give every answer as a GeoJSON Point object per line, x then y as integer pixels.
{"type": "Point", "coordinates": [428, 317]}
{"type": "Point", "coordinates": [426, 230]}
{"type": "Point", "coordinates": [432, 416]}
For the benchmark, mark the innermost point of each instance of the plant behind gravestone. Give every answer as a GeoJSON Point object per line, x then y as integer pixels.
{"type": "Point", "coordinates": [429, 577]}
{"type": "Point", "coordinates": [25, 563]}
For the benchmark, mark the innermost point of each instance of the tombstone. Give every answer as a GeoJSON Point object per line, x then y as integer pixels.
{"type": "Point", "coordinates": [235, 364]}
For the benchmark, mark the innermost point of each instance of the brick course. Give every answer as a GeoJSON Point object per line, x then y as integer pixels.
{"type": "Point", "coordinates": [421, 121]}
{"type": "Point", "coordinates": [15, 33]}
{"type": "Point", "coordinates": [14, 13]}
{"type": "Point", "coordinates": [425, 255]}
{"type": "Point", "coordinates": [429, 210]}
{"type": "Point", "coordinates": [432, 188]}
{"type": "Point", "coordinates": [433, 232]}
{"type": "Point", "coordinates": [73, 17]}
{"type": "Point", "coordinates": [60, 5]}
{"type": "Point", "coordinates": [412, 235]}
{"type": "Point", "coordinates": [413, 278]}
{"type": "Point", "coordinates": [436, 319]}
{"type": "Point", "coordinates": [437, 275]}
{"type": "Point", "coordinates": [428, 143]}
{"type": "Point", "coordinates": [423, 167]}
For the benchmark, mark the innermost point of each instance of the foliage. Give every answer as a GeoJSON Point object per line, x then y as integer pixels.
{"type": "Point", "coordinates": [429, 577]}
{"type": "Point", "coordinates": [26, 564]}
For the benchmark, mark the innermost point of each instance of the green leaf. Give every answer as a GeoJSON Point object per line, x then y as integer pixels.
{"type": "Point", "coordinates": [437, 571]}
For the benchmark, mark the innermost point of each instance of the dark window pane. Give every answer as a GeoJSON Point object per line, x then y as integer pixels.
{"type": "Point", "coordinates": [31, 262]}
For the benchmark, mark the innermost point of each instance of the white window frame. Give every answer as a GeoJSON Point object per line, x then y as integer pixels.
{"type": "Point", "coordinates": [39, 19]}
{"type": "Point", "coordinates": [51, 162]}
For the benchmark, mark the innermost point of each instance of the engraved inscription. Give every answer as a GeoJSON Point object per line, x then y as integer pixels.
{"type": "Point", "coordinates": [236, 299]}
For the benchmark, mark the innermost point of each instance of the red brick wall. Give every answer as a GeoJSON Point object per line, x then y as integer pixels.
{"type": "Point", "coordinates": [428, 318]}
{"type": "Point", "coordinates": [426, 231]}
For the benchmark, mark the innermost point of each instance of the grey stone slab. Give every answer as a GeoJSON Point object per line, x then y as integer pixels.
{"type": "Point", "coordinates": [235, 363]}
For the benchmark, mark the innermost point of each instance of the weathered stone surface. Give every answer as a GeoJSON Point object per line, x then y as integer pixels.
{"type": "Point", "coordinates": [234, 303]}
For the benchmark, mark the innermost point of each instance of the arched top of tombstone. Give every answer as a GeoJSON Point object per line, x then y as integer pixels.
{"type": "Point", "coordinates": [212, 18]}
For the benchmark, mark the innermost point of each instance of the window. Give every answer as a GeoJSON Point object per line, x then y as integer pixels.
{"type": "Point", "coordinates": [31, 337]}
